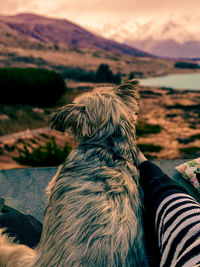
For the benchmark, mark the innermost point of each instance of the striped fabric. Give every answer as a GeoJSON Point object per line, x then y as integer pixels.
{"type": "Point", "coordinates": [177, 225]}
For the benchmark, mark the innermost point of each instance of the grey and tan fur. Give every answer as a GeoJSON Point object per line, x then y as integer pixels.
{"type": "Point", "coordinates": [94, 212]}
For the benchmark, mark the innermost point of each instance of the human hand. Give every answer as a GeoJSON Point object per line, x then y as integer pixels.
{"type": "Point", "coordinates": [141, 157]}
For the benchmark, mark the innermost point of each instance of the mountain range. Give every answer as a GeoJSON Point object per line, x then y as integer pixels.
{"type": "Point", "coordinates": [168, 48]}
{"type": "Point", "coordinates": [34, 30]}
{"type": "Point", "coordinates": [171, 37]}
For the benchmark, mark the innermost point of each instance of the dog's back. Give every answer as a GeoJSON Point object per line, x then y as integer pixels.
{"type": "Point", "coordinates": [99, 207]}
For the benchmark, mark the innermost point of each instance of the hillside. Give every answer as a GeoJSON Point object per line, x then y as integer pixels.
{"type": "Point", "coordinates": [57, 31]}
{"type": "Point", "coordinates": [11, 38]}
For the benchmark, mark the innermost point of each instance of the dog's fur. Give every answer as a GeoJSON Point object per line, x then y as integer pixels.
{"type": "Point", "coordinates": [94, 212]}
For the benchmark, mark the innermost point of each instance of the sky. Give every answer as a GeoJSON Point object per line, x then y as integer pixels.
{"type": "Point", "coordinates": [95, 13]}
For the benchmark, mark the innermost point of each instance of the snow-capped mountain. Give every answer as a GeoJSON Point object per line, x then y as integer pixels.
{"type": "Point", "coordinates": [167, 37]}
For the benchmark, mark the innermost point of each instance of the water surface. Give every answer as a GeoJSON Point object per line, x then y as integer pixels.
{"type": "Point", "coordinates": [189, 81]}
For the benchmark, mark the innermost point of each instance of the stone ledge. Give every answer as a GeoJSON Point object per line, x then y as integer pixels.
{"type": "Point", "coordinates": [24, 189]}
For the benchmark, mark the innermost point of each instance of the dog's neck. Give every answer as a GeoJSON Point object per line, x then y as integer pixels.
{"type": "Point", "coordinates": [121, 143]}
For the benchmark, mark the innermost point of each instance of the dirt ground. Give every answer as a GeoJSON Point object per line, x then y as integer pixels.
{"type": "Point", "coordinates": [177, 112]}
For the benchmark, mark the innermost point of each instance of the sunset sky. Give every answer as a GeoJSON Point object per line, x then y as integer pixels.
{"type": "Point", "coordinates": [93, 13]}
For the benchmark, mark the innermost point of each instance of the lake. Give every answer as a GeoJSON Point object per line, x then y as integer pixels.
{"type": "Point", "coordinates": [189, 81]}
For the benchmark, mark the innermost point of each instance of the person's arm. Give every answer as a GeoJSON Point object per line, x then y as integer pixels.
{"type": "Point", "coordinates": [156, 185]}
{"type": "Point", "coordinates": [174, 214]}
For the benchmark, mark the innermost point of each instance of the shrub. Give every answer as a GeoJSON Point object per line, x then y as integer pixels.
{"type": "Point", "coordinates": [194, 108]}
{"type": "Point", "coordinates": [9, 148]}
{"type": "Point", "coordinates": [194, 137]}
{"type": "Point", "coordinates": [102, 74]}
{"type": "Point", "coordinates": [42, 156]}
{"type": "Point", "coordinates": [135, 74]}
{"type": "Point", "coordinates": [149, 156]}
{"type": "Point", "coordinates": [146, 128]}
{"type": "Point", "coordinates": [44, 135]}
{"type": "Point", "coordinates": [37, 87]}
{"type": "Point", "coordinates": [190, 139]}
{"type": "Point", "coordinates": [78, 74]}
{"type": "Point", "coordinates": [117, 78]}
{"type": "Point", "coordinates": [131, 75]}
{"type": "Point", "coordinates": [149, 148]}
{"type": "Point", "coordinates": [186, 65]}
{"type": "Point", "coordinates": [190, 151]}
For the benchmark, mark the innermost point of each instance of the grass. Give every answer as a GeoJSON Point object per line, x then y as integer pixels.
{"type": "Point", "coordinates": [143, 129]}
{"type": "Point", "coordinates": [21, 117]}
{"type": "Point", "coordinates": [42, 156]}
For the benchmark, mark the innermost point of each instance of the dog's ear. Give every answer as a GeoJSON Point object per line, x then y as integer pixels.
{"type": "Point", "coordinates": [65, 118]}
{"type": "Point", "coordinates": [74, 118]}
{"type": "Point", "coordinates": [129, 94]}
{"type": "Point", "coordinates": [129, 89]}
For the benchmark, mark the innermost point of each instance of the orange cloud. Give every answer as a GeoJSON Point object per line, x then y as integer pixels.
{"type": "Point", "coordinates": [89, 11]}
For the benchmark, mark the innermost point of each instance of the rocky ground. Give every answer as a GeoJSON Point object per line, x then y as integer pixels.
{"type": "Point", "coordinates": [177, 113]}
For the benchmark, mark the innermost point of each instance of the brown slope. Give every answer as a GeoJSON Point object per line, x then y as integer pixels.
{"type": "Point", "coordinates": [47, 30]}
{"type": "Point", "coordinates": [11, 38]}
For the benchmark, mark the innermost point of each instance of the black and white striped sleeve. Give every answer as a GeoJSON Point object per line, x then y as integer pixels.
{"type": "Point", "coordinates": [175, 215]}
{"type": "Point", "coordinates": [177, 225]}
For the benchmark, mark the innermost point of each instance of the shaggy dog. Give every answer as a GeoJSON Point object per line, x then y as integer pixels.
{"type": "Point", "coordinates": [94, 211]}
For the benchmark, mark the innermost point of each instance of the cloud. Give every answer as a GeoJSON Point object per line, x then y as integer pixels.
{"type": "Point", "coordinates": [10, 7]}
{"type": "Point", "coordinates": [124, 8]}
{"type": "Point", "coordinates": [98, 11]}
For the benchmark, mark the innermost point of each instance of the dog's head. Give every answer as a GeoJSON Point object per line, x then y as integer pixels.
{"type": "Point", "coordinates": [103, 108]}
